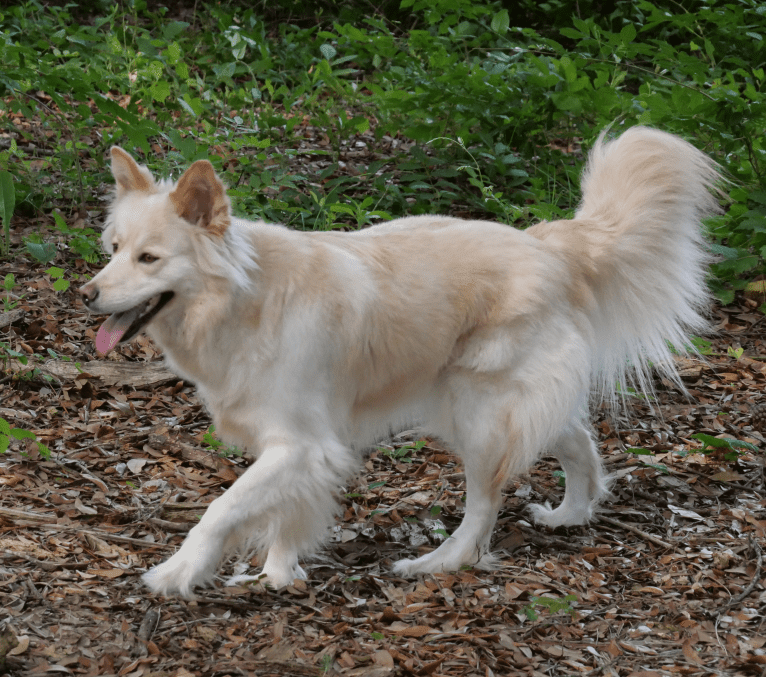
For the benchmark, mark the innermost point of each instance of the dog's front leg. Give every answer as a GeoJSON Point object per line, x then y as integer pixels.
{"type": "Point", "coordinates": [285, 500]}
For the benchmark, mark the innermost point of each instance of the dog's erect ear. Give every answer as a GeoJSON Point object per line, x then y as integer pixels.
{"type": "Point", "coordinates": [128, 174]}
{"type": "Point", "coordinates": [200, 198]}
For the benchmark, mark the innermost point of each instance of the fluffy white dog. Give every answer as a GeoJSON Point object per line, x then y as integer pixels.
{"type": "Point", "coordinates": [308, 347]}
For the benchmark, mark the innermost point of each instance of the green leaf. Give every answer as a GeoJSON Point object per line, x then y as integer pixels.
{"type": "Point", "coordinates": [726, 252]}
{"type": "Point", "coordinates": [725, 296]}
{"type": "Point", "coordinates": [723, 442]}
{"type": "Point", "coordinates": [736, 353]}
{"type": "Point", "coordinates": [43, 252]}
{"type": "Point", "coordinates": [174, 29]}
{"type": "Point", "coordinates": [61, 285]}
{"type": "Point", "coordinates": [628, 33]}
{"type": "Point", "coordinates": [160, 90]}
{"type": "Point", "coordinates": [55, 272]}
{"type": "Point", "coordinates": [21, 434]}
{"type": "Point", "coordinates": [500, 22]}
{"type": "Point", "coordinates": [60, 221]}
{"type": "Point", "coordinates": [5, 427]}
{"type": "Point", "coordinates": [328, 51]}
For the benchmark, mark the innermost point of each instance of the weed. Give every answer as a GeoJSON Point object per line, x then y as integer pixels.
{"type": "Point", "coordinates": [215, 445]}
{"type": "Point", "coordinates": [551, 605]}
{"type": "Point", "coordinates": [9, 283]}
{"type": "Point", "coordinates": [7, 434]}
{"type": "Point", "coordinates": [401, 453]}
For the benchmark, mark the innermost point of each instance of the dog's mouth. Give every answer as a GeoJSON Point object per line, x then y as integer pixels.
{"type": "Point", "coordinates": [125, 325]}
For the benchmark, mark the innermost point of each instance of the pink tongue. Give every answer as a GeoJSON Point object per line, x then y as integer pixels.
{"type": "Point", "coordinates": [110, 333]}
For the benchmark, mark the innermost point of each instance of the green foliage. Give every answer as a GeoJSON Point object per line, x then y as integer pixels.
{"type": "Point", "coordinates": [551, 605]}
{"type": "Point", "coordinates": [7, 434]}
{"type": "Point", "coordinates": [402, 453]}
{"type": "Point", "coordinates": [702, 346]}
{"type": "Point", "coordinates": [731, 448]}
{"type": "Point", "coordinates": [498, 112]}
{"type": "Point", "coordinates": [61, 283]}
{"type": "Point", "coordinates": [9, 283]}
{"type": "Point", "coordinates": [216, 446]}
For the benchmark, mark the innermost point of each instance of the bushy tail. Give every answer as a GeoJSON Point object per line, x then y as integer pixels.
{"type": "Point", "coordinates": [644, 195]}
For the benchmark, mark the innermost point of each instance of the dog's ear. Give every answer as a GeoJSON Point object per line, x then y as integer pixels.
{"type": "Point", "coordinates": [200, 198]}
{"type": "Point", "coordinates": [128, 174]}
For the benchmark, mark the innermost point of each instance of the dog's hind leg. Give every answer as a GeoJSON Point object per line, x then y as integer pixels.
{"type": "Point", "coordinates": [479, 427]}
{"type": "Point", "coordinates": [469, 544]}
{"type": "Point", "coordinates": [585, 480]}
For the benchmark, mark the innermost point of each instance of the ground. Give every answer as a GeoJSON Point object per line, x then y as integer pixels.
{"type": "Point", "coordinates": [668, 579]}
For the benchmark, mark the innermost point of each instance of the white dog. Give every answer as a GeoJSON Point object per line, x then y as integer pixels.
{"type": "Point", "coordinates": [308, 347]}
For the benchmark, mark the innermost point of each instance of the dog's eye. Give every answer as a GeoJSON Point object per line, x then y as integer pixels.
{"type": "Point", "coordinates": [147, 258]}
{"type": "Point", "coordinates": [114, 248]}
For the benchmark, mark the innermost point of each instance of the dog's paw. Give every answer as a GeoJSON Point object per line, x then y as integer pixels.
{"type": "Point", "coordinates": [279, 578]}
{"type": "Point", "coordinates": [193, 564]}
{"type": "Point", "coordinates": [427, 564]}
{"type": "Point", "coordinates": [563, 516]}
{"type": "Point", "coordinates": [273, 579]}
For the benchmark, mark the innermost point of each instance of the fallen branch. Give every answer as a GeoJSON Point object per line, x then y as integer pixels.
{"type": "Point", "coordinates": [116, 538]}
{"type": "Point", "coordinates": [23, 514]}
{"type": "Point", "coordinates": [7, 319]}
{"type": "Point", "coordinates": [136, 374]}
{"type": "Point", "coordinates": [638, 532]}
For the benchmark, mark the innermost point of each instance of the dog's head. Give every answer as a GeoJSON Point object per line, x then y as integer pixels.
{"type": "Point", "coordinates": [159, 235]}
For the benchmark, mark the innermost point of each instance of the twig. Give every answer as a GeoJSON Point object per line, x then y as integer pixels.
{"type": "Point", "coordinates": [116, 538]}
{"type": "Point", "coordinates": [638, 532]}
{"type": "Point", "coordinates": [167, 525]}
{"type": "Point", "coordinates": [750, 587]}
{"type": "Point", "coordinates": [7, 319]}
{"type": "Point", "coordinates": [44, 564]}
{"type": "Point", "coordinates": [23, 514]}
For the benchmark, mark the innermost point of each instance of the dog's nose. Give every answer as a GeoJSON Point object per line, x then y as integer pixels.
{"type": "Point", "coordinates": [89, 294]}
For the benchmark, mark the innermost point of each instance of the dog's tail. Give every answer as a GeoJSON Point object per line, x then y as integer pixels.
{"type": "Point", "coordinates": [644, 195]}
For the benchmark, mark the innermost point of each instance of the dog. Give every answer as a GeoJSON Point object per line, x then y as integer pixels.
{"type": "Point", "coordinates": [307, 347]}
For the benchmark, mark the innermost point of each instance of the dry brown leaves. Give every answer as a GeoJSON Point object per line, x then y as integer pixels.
{"type": "Point", "coordinates": [670, 581]}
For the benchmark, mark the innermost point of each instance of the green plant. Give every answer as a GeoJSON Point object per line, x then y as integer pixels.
{"type": "Point", "coordinates": [9, 282]}
{"type": "Point", "coordinates": [217, 446]}
{"type": "Point", "coordinates": [401, 453]}
{"type": "Point", "coordinates": [702, 346]}
{"type": "Point", "coordinates": [326, 664]}
{"type": "Point", "coordinates": [7, 433]}
{"type": "Point", "coordinates": [58, 274]}
{"type": "Point", "coordinates": [731, 448]}
{"type": "Point", "coordinates": [43, 252]}
{"type": "Point", "coordinates": [83, 241]}
{"type": "Point", "coordinates": [551, 605]}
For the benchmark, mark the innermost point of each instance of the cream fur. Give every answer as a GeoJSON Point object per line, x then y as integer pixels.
{"type": "Point", "coordinates": [308, 347]}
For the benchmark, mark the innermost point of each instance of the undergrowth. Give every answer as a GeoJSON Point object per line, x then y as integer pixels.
{"type": "Point", "coordinates": [495, 110]}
